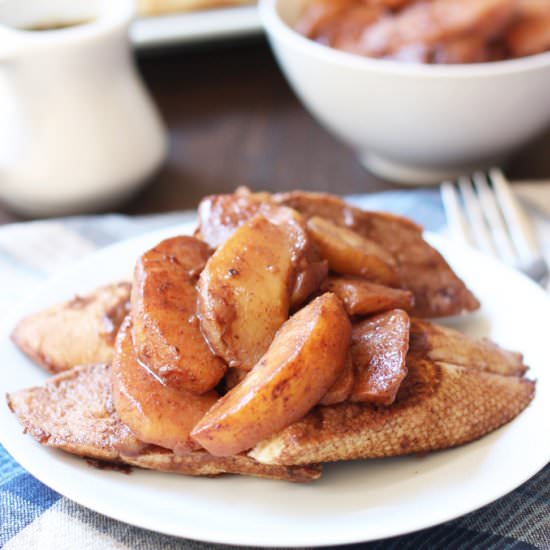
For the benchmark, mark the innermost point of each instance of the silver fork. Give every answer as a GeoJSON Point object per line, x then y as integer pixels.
{"type": "Point", "coordinates": [483, 211]}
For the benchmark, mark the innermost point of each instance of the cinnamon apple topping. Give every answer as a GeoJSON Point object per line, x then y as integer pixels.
{"type": "Point", "coordinates": [436, 32]}
{"type": "Point", "coordinates": [284, 334]}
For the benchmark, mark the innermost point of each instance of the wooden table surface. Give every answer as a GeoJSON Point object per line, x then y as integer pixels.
{"type": "Point", "coordinates": [233, 121]}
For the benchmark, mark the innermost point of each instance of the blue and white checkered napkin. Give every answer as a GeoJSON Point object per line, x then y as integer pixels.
{"type": "Point", "coordinates": [34, 516]}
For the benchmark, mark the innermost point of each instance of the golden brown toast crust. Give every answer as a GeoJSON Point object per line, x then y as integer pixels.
{"type": "Point", "coordinates": [437, 290]}
{"type": "Point", "coordinates": [77, 332]}
{"type": "Point", "coordinates": [438, 406]}
{"type": "Point", "coordinates": [440, 343]}
{"type": "Point", "coordinates": [73, 412]}
{"type": "Point", "coordinates": [201, 463]}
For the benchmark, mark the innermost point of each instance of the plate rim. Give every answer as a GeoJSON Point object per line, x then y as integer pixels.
{"type": "Point", "coordinates": [214, 24]}
{"type": "Point", "coordinates": [218, 536]}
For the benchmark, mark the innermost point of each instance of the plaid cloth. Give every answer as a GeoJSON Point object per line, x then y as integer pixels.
{"type": "Point", "coordinates": [34, 516]}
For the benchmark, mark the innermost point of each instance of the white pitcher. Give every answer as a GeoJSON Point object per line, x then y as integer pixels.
{"type": "Point", "coordinates": [78, 131]}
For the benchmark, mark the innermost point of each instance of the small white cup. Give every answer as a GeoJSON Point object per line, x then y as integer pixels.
{"type": "Point", "coordinates": [78, 131]}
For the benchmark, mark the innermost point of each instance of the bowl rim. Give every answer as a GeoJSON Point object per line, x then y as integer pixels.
{"type": "Point", "coordinates": [276, 27]}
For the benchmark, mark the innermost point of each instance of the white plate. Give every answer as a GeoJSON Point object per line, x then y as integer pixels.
{"type": "Point", "coordinates": [352, 502]}
{"type": "Point", "coordinates": [184, 28]}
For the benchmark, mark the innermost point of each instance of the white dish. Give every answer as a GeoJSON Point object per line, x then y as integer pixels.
{"type": "Point", "coordinates": [352, 502]}
{"type": "Point", "coordinates": [409, 122]}
{"type": "Point", "coordinates": [199, 26]}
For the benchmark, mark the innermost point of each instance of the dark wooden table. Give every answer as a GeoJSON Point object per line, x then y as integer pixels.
{"type": "Point", "coordinates": [233, 120]}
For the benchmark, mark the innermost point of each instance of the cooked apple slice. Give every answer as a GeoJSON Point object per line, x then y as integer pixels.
{"type": "Point", "coordinates": [379, 347]}
{"type": "Point", "coordinates": [303, 362]}
{"type": "Point", "coordinates": [341, 389]}
{"type": "Point", "coordinates": [244, 292]}
{"type": "Point", "coordinates": [221, 215]}
{"type": "Point", "coordinates": [155, 413]}
{"type": "Point", "coordinates": [362, 297]}
{"type": "Point", "coordinates": [308, 281]}
{"type": "Point", "coordinates": [167, 334]}
{"type": "Point", "coordinates": [349, 253]}
{"type": "Point", "coordinates": [310, 270]}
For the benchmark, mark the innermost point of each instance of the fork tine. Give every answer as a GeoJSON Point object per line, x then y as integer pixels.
{"type": "Point", "coordinates": [520, 229]}
{"type": "Point", "coordinates": [458, 228]}
{"type": "Point", "coordinates": [475, 216]}
{"type": "Point", "coordinates": [501, 238]}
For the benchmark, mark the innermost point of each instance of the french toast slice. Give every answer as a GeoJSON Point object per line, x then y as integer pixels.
{"type": "Point", "coordinates": [74, 412]}
{"type": "Point", "coordinates": [438, 406]}
{"type": "Point", "coordinates": [79, 331]}
{"type": "Point", "coordinates": [440, 343]}
{"type": "Point", "coordinates": [201, 463]}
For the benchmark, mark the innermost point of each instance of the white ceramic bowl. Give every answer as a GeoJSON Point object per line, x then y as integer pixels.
{"type": "Point", "coordinates": [408, 122]}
